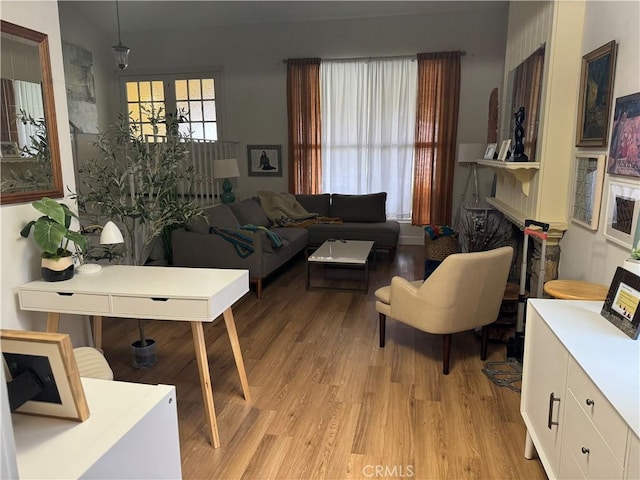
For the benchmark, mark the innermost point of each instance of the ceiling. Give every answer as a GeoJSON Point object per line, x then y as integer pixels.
{"type": "Point", "coordinates": [148, 15]}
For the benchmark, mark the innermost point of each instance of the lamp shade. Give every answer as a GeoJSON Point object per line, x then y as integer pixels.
{"type": "Point", "coordinates": [111, 234]}
{"type": "Point", "coordinates": [225, 168]}
{"type": "Point", "coordinates": [470, 152]}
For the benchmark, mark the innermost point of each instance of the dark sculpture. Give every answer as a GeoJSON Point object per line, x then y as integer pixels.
{"type": "Point", "coordinates": [518, 151]}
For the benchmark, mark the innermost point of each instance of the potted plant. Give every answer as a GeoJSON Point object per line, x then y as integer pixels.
{"type": "Point", "coordinates": [143, 183]}
{"type": "Point", "coordinates": [52, 234]}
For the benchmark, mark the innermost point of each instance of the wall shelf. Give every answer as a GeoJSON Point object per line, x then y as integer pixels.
{"type": "Point", "coordinates": [523, 172]}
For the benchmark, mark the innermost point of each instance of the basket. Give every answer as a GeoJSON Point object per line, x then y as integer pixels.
{"type": "Point", "coordinates": [441, 247]}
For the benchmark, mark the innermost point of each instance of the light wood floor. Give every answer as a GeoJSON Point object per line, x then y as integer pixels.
{"type": "Point", "coordinates": [327, 402]}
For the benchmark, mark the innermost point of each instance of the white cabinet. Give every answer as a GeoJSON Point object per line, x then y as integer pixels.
{"type": "Point", "coordinates": [580, 392]}
{"type": "Point", "coordinates": [131, 432]}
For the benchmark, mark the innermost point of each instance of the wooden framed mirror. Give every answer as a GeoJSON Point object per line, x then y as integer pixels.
{"type": "Point", "coordinates": [30, 165]}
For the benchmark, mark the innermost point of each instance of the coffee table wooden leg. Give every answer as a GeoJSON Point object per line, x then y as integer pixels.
{"type": "Point", "coordinates": [237, 354]}
{"type": "Point", "coordinates": [53, 320]}
{"type": "Point", "coordinates": [205, 380]}
{"type": "Point", "coordinates": [97, 332]}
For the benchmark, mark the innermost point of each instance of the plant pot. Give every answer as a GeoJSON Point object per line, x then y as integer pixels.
{"type": "Point", "coordinates": [143, 357]}
{"type": "Point", "coordinates": [57, 269]}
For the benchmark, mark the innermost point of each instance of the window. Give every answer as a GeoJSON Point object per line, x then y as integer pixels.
{"type": "Point", "coordinates": [368, 126]}
{"type": "Point", "coordinates": [193, 98]}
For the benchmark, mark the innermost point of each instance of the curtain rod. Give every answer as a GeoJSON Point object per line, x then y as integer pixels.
{"type": "Point", "coordinates": [462, 53]}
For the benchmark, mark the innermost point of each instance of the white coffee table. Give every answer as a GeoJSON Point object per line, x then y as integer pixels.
{"type": "Point", "coordinates": [349, 253]}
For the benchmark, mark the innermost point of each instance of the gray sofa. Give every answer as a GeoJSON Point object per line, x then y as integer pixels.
{"type": "Point", "coordinates": [363, 217]}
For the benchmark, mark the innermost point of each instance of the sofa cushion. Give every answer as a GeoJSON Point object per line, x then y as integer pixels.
{"type": "Point", "coordinates": [217, 216]}
{"type": "Point", "coordinates": [249, 212]}
{"type": "Point", "coordinates": [359, 208]}
{"type": "Point", "coordinates": [320, 204]}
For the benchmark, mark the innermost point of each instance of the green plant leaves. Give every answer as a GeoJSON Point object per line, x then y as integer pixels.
{"type": "Point", "coordinates": [51, 209]}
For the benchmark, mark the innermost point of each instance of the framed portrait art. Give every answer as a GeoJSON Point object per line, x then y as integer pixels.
{"type": "Point", "coordinates": [623, 202]}
{"type": "Point", "coordinates": [490, 151]}
{"type": "Point", "coordinates": [504, 150]}
{"type": "Point", "coordinates": [42, 375]}
{"type": "Point", "coordinates": [264, 160]}
{"type": "Point", "coordinates": [624, 153]}
{"type": "Point", "coordinates": [596, 87]}
{"type": "Point", "coordinates": [586, 189]}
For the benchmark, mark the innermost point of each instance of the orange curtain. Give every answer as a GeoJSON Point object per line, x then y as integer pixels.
{"type": "Point", "coordinates": [436, 133]}
{"type": "Point", "coordinates": [303, 107]}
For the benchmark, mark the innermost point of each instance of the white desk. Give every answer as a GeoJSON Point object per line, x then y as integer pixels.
{"type": "Point", "coordinates": [132, 432]}
{"type": "Point", "coordinates": [194, 295]}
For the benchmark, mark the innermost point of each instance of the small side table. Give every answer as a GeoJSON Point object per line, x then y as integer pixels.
{"type": "Point", "coordinates": [575, 290]}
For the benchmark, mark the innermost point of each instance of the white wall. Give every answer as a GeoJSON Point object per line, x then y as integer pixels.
{"type": "Point", "coordinates": [587, 255]}
{"type": "Point", "coordinates": [20, 257]}
{"type": "Point", "coordinates": [253, 90]}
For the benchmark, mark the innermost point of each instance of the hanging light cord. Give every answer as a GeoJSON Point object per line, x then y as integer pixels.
{"type": "Point", "coordinates": [118, 19]}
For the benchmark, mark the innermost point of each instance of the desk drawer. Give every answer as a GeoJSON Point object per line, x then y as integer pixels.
{"type": "Point", "coordinates": [598, 409]}
{"type": "Point", "coordinates": [159, 307]}
{"type": "Point", "coordinates": [87, 304]}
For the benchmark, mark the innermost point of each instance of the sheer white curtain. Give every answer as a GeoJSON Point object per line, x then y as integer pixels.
{"type": "Point", "coordinates": [28, 98]}
{"type": "Point", "coordinates": [368, 126]}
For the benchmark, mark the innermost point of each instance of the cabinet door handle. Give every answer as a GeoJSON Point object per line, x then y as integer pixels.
{"type": "Point", "coordinates": [585, 450]}
{"type": "Point", "coordinates": [550, 421]}
{"type": "Point", "coordinates": [590, 402]}
{"type": "Point", "coordinates": [159, 299]}
{"type": "Point", "coordinates": [65, 294]}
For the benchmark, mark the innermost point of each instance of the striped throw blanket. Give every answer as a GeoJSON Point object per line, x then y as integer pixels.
{"type": "Point", "coordinates": [242, 238]}
{"type": "Point", "coordinates": [283, 208]}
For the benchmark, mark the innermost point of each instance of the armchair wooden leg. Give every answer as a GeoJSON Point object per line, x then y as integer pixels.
{"type": "Point", "coordinates": [485, 341]}
{"type": "Point", "coordinates": [446, 352]}
{"type": "Point", "coordinates": [383, 321]}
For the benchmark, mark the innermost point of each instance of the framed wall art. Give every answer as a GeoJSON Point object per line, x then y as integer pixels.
{"type": "Point", "coordinates": [586, 189]}
{"type": "Point", "coordinates": [264, 160]}
{"type": "Point", "coordinates": [621, 304]}
{"type": "Point", "coordinates": [623, 202]}
{"type": "Point", "coordinates": [42, 375]}
{"type": "Point", "coordinates": [624, 153]}
{"type": "Point", "coordinates": [596, 87]}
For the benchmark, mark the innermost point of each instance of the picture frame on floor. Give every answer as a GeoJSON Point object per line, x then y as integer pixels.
{"type": "Point", "coordinates": [42, 375]}
{"type": "Point", "coordinates": [623, 206]}
{"type": "Point", "coordinates": [264, 160]}
{"type": "Point", "coordinates": [586, 189]}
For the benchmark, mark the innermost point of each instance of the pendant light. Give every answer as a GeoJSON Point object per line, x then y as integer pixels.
{"type": "Point", "coordinates": [120, 51]}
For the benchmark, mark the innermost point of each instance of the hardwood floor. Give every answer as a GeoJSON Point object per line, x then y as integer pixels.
{"type": "Point", "coordinates": [327, 401]}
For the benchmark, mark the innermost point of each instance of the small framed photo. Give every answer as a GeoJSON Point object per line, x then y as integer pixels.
{"type": "Point", "coordinates": [490, 152]}
{"type": "Point", "coordinates": [264, 160]}
{"type": "Point", "coordinates": [586, 189]}
{"type": "Point", "coordinates": [504, 150]}
{"type": "Point", "coordinates": [623, 202]}
{"type": "Point", "coordinates": [624, 153]}
{"type": "Point", "coordinates": [621, 304]}
{"type": "Point", "coordinates": [596, 88]}
{"type": "Point", "coordinates": [42, 375]}
{"type": "Point", "coordinates": [9, 149]}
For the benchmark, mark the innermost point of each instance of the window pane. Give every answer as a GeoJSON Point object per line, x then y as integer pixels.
{"type": "Point", "coordinates": [181, 90]}
{"type": "Point", "coordinates": [208, 91]}
{"type": "Point", "coordinates": [146, 130]}
{"type": "Point", "coordinates": [195, 108]}
{"type": "Point", "coordinates": [162, 129]}
{"type": "Point", "coordinates": [183, 108]}
{"type": "Point", "coordinates": [194, 89]}
{"type": "Point", "coordinates": [145, 91]}
{"type": "Point", "coordinates": [210, 131]}
{"type": "Point", "coordinates": [209, 110]}
{"type": "Point", "coordinates": [197, 130]}
{"type": "Point", "coordinates": [132, 91]}
{"type": "Point", "coordinates": [185, 129]}
{"type": "Point", "coordinates": [146, 109]}
{"type": "Point", "coordinates": [134, 112]}
{"type": "Point", "coordinates": [158, 91]}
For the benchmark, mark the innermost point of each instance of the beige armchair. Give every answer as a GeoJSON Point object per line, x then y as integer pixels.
{"type": "Point", "coordinates": [463, 293]}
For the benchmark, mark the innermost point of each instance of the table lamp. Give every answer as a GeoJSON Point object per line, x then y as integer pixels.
{"type": "Point", "coordinates": [110, 235]}
{"type": "Point", "coordinates": [226, 168]}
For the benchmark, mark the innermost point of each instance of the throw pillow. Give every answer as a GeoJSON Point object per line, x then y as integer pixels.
{"type": "Point", "coordinates": [249, 212]}
{"type": "Point", "coordinates": [368, 208]}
